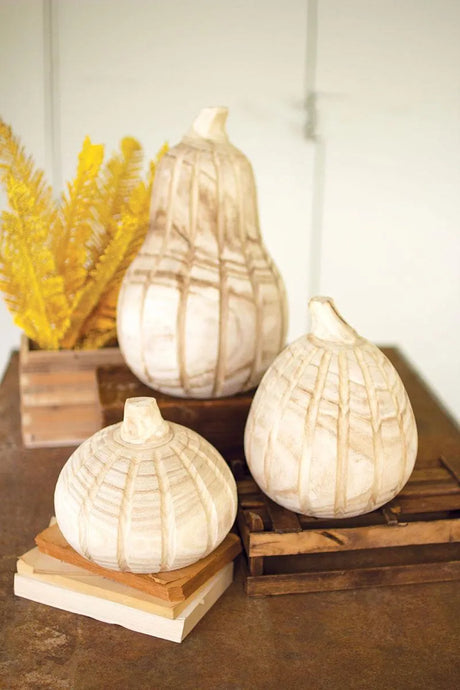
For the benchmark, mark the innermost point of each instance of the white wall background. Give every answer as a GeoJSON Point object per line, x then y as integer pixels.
{"type": "Point", "coordinates": [349, 113]}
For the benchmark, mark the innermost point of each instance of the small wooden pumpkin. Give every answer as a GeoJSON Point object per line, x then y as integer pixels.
{"type": "Point", "coordinates": [145, 495]}
{"type": "Point", "coordinates": [202, 309]}
{"type": "Point", "coordinates": [331, 432]}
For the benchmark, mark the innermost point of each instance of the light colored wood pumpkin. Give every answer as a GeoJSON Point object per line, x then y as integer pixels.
{"type": "Point", "coordinates": [202, 310]}
{"type": "Point", "coordinates": [145, 495]}
{"type": "Point", "coordinates": [331, 432]}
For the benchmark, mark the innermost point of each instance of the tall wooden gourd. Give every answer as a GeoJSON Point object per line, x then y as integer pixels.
{"type": "Point", "coordinates": [331, 432]}
{"type": "Point", "coordinates": [145, 495]}
{"type": "Point", "coordinates": [202, 310]}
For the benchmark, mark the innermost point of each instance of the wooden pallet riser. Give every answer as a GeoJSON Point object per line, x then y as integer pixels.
{"type": "Point", "coordinates": [401, 543]}
{"type": "Point", "coordinates": [342, 567]}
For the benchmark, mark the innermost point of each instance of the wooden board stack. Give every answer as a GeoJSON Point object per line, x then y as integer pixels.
{"type": "Point", "coordinates": [166, 605]}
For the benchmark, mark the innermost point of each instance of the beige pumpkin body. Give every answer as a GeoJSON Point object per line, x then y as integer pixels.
{"type": "Point", "coordinates": [145, 495]}
{"type": "Point", "coordinates": [202, 309]}
{"type": "Point", "coordinates": [331, 432]}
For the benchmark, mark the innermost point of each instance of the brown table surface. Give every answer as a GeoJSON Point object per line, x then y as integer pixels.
{"type": "Point", "coordinates": [389, 637]}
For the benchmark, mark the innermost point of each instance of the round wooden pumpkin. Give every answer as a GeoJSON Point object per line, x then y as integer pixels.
{"type": "Point", "coordinates": [331, 432]}
{"type": "Point", "coordinates": [145, 495]}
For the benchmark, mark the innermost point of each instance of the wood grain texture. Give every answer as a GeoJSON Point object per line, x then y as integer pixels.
{"type": "Point", "coordinates": [59, 394]}
{"type": "Point", "coordinates": [202, 310]}
{"type": "Point", "coordinates": [330, 580]}
{"type": "Point", "coordinates": [331, 432]}
{"type": "Point", "coordinates": [174, 586]}
{"type": "Point", "coordinates": [145, 495]}
{"type": "Point", "coordinates": [54, 571]}
{"type": "Point", "coordinates": [354, 538]}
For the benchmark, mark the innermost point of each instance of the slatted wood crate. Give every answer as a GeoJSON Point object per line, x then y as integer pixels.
{"type": "Point", "coordinates": [59, 394]}
{"type": "Point", "coordinates": [415, 538]}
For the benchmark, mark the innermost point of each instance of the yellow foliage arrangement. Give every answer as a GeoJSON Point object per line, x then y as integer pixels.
{"type": "Point", "coordinates": [61, 263]}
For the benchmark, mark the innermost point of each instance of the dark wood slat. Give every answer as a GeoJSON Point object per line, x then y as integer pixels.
{"type": "Point", "coordinates": [252, 502]}
{"type": "Point", "coordinates": [282, 520]}
{"type": "Point", "coordinates": [254, 521]}
{"type": "Point", "coordinates": [247, 486]}
{"type": "Point", "coordinates": [428, 474]}
{"type": "Point", "coordinates": [390, 516]}
{"type": "Point", "coordinates": [296, 583]}
{"type": "Point", "coordinates": [238, 467]}
{"type": "Point", "coordinates": [453, 465]}
{"type": "Point", "coordinates": [426, 504]}
{"type": "Point", "coordinates": [256, 566]}
{"type": "Point", "coordinates": [350, 539]}
{"type": "Point", "coordinates": [450, 486]}
{"type": "Point", "coordinates": [255, 524]}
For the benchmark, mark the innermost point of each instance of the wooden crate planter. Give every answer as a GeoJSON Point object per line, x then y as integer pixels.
{"type": "Point", "coordinates": [221, 421]}
{"type": "Point", "coordinates": [415, 538]}
{"type": "Point", "coordinates": [59, 394]}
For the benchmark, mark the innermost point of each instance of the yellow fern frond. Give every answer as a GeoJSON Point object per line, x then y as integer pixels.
{"type": "Point", "coordinates": [102, 320]}
{"type": "Point", "coordinates": [61, 266]}
{"type": "Point", "coordinates": [119, 176]}
{"type": "Point", "coordinates": [75, 222]}
{"type": "Point", "coordinates": [14, 162]}
{"type": "Point", "coordinates": [100, 339]}
{"type": "Point", "coordinates": [33, 291]}
{"type": "Point", "coordinates": [138, 209]}
{"type": "Point", "coordinates": [132, 227]}
{"type": "Point", "coordinates": [100, 277]}
{"type": "Point", "coordinates": [102, 317]}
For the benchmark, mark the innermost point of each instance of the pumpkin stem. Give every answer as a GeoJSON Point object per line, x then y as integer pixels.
{"type": "Point", "coordinates": [142, 421]}
{"type": "Point", "coordinates": [210, 124]}
{"type": "Point", "coordinates": [327, 324]}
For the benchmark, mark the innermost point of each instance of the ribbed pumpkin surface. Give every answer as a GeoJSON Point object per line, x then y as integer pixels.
{"type": "Point", "coordinates": [148, 509]}
{"type": "Point", "coordinates": [331, 432]}
{"type": "Point", "coordinates": [202, 310]}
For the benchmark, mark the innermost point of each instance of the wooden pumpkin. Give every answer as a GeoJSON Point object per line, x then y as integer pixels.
{"type": "Point", "coordinates": [145, 495]}
{"type": "Point", "coordinates": [331, 432]}
{"type": "Point", "coordinates": [202, 309]}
